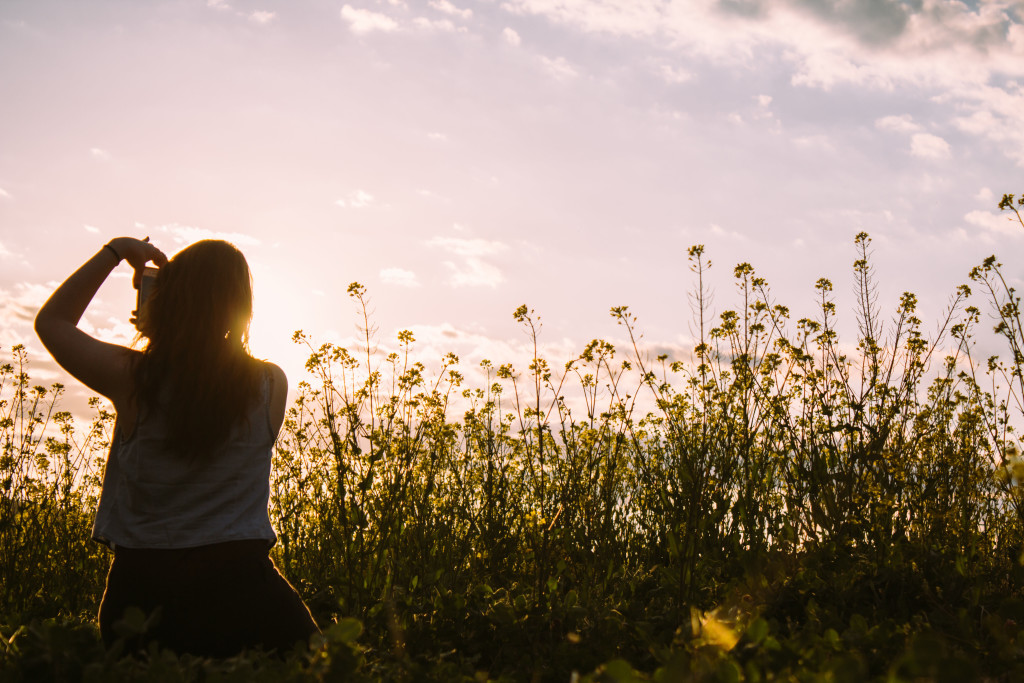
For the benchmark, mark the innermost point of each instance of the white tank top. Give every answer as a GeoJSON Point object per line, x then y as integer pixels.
{"type": "Point", "coordinates": [154, 497]}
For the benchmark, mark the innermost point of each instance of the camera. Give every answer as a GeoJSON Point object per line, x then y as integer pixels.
{"type": "Point", "coordinates": [146, 284]}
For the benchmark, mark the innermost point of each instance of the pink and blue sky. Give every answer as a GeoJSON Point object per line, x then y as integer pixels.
{"type": "Point", "coordinates": [461, 157]}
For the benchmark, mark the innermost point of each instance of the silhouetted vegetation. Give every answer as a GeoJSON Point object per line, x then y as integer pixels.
{"type": "Point", "coordinates": [782, 505]}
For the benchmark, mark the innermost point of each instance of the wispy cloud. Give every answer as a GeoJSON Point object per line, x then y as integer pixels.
{"type": "Point", "coordinates": [898, 124]}
{"type": "Point", "coordinates": [187, 234]}
{"type": "Point", "coordinates": [474, 273]}
{"type": "Point", "coordinates": [997, 114]}
{"type": "Point", "coordinates": [360, 199]}
{"type": "Point", "coordinates": [819, 142]}
{"type": "Point", "coordinates": [218, 4]}
{"type": "Point", "coordinates": [445, 25]}
{"type": "Point", "coordinates": [399, 277]}
{"type": "Point", "coordinates": [19, 304]}
{"type": "Point", "coordinates": [365, 21]}
{"type": "Point", "coordinates": [91, 228]}
{"type": "Point", "coordinates": [727, 234]}
{"type": "Point", "coordinates": [472, 247]}
{"type": "Point", "coordinates": [433, 196]}
{"type": "Point", "coordinates": [18, 307]}
{"type": "Point", "coordinates": [511, 37]}
{"type": "Point", "coordinates": [922, 145]}
{"type": "Point", "coordinates": [471, 270]}
{"type": "Point", "coordinates": [674, 74]}
{"type": "Point", "coordinates": [969, 54]}
{"type": "Point", "coordinates": [99, 154]}
{"type": "Point", "coordinates": [4, 194]}
{"type": "Point", "coordinates": [762, 110]}
{"type": "Point", "coordinates": [559, 67]}
{"type": "Point", "coordinates": [448, 8]}
{"type": "Point", "coordinates": [928, 146]}
{"type": "Point", "coordinates": [262, 16]}
{"type": "Point", "coordinates": [998, 223]}
{"type": "Point", "coordinates": [632, 17]}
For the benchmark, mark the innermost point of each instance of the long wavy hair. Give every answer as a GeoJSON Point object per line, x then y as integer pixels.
{"type": "Point", "coordinates": [196, 367]}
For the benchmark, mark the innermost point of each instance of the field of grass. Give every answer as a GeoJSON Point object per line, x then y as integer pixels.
{"type": "Point", "coordinates": [785, 506]}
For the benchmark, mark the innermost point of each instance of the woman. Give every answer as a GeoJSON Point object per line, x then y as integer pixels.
{"type": "Point", "coordinates": [186, 487]}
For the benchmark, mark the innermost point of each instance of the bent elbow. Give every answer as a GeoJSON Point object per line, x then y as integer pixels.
{"type": "Point", "coordinates": [44, 326]}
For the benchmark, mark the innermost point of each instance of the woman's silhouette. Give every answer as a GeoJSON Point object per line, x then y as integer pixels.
{"type": "Point", "coordinates": [186, 486]}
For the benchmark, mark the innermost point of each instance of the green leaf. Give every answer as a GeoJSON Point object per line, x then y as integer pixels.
{"type": "Point", "coordinates": [345, 631]}
{"type": "Point", "coordinates": [757, 631]}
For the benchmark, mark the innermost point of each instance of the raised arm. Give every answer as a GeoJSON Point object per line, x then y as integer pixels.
{"type": "Point", "coordinates": [103, 367]}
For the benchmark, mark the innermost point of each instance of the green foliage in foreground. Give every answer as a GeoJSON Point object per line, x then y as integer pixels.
{"type": "Point", "coordinates": [779, 505]}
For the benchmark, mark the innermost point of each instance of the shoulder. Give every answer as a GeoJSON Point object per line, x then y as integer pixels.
{"type": "Point", "coordinates": [278, 398]}
{"type": "Point", "coordinates": [278, 379]}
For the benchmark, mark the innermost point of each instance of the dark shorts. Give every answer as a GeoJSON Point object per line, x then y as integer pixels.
{"type": "Point", "coordinates": [214, 600]}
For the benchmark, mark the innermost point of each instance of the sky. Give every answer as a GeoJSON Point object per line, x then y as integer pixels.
{"type": "Point", "coordinates": [462, 157]}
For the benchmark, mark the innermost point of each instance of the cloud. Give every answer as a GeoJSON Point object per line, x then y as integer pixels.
{"type": "Point", "coordinates": [91, 228]}
{"type": "Point", "coordinates": [928, 146]}
{"type": "Point", "coordinates": [441, 137]}
{"type": "Point", "coordinates": [763, 111]}
{"type": "Point", "coordinates": [669, 114]}
{"type": "Point", "coordinates": [674, 74]}
{"type": "Point", "coordinates": [445, 25]}
{"type": "Point", "coordinates": [433, 196]}
{"type": "Point", "coordinates": [882, 31]}
{"type": "Point", "coordinates": [922, 145]}
{"type": "Point", "coordinates": [472, 270]}
{"type": "Point", "coordinates": [990, 222]}
{"type": "Point", "coordinates": [360, 199]}
{"type": "Point", "coordinates": [262, 17]}
{"type": "Point", "coordinates": [468, 247]}
{"type": "Point", "coordinates": [970, 53]}
{"type": "Point", "coordinates": [984, 195]}
{"type": "Point", "coordinates": [4, 251]}
{"type": "Point", "coordinates": [474, 273]}
{"type": "Point", "coordinates": [727, 234]}
{"type": "Point", "coordinates": [511, 37]}
{"type": "Point", "coordinates": [99, 154]}
{"type": "Point", "coordinates": [4, 194]}
{"type": "Point", "coordinates": [399, 277]}
{"type": "Point", "coordinates": [898, 124]}
{"type": "Point", "coordinates": [624, 17]}
{"type": "Point", "coordinates": [448, 8]}
{"type": "Point", "coordinates": [818, 142]}
{"type": "Point", "coordinates": [186, 234]}
{"type": "Point", "coordinates": [218, 4]}
{"type": "Point", "coordinates": [997, 114]}
{"type": "Point", "coordinates": [872, 22]}
{"type": "Point", "coordinates": [559, 68]}
{"type": "Point", "coordinates": [18, 307]}
{"type": "Point", "coordinates": [365, 21]}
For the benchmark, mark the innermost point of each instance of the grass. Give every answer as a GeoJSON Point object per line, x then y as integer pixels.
{"type": "Point", "coordinates": [784, 507]}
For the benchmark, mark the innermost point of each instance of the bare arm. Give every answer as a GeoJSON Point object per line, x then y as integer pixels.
{"type": "Point", "coordinates": [103, 367]}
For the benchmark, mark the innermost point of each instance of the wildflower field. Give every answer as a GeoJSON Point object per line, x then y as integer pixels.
{"type": "Point", "coordinates": [785, 505]}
